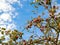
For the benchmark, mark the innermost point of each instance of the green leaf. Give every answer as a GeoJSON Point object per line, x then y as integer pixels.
{"type": "Point", "coordinates": [2, 32]}
{"type": "Point", "coordinates": [3, 28]}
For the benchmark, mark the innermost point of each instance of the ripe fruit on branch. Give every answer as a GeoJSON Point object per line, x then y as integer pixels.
{"type": "Point", "coordinates": [48, 2]}
{"type": "Point", "coordinates": [37, 20]}
{"type": "Point", "coordinates": [29, 25]}
{"type": "Point", "coordinates": [16, 37]}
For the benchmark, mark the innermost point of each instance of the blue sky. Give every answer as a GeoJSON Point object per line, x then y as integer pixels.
{"type": "Point", "coordinates": [25, 14]}
{"type": "Point", "coordinates": [14, 14]}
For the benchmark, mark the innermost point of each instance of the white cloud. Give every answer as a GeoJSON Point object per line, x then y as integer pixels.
{"type": "Point", "coordinates": [5, 7]}
{"type": "Point", "coordinates": [11, 26]}
{"type": "Point", "coordinates": [15, 1]}
{"type": "Point", "coordinates": [3, 26]}
{"type": "Point", "coordinates": [1, 22]}
{"type": "Point", "coordinates": [5, 17]}
{"type": "Point", "coordinates": [12, 1]}
{"type": "Point", "coordinates": [9, 12]}
{"type": "Point", "coordinates": [16, 14]}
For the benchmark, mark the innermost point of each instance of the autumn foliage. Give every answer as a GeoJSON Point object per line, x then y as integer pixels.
{"type": "Point", "coordinates": [48, 25]}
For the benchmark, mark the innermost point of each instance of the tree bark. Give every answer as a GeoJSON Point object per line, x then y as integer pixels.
{"type": "Point", "coordinates": [57, 38]}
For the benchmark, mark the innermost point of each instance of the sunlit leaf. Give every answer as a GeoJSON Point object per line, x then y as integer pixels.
{"type": "Point", "coordinates": [3, 28]}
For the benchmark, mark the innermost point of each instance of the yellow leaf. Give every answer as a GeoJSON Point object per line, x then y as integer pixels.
{"type": "Point", "coordinates": [37, 0]}
{"type": "Point", "coordinates": [2, 37]}
{"type": "Point", "coordinates": [59, 25]}
{"type": "Point", "coordinates": [38, 25]}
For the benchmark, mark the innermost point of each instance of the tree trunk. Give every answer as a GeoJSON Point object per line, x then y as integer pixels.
{"type": "Point", "coordinates": [57, 38]}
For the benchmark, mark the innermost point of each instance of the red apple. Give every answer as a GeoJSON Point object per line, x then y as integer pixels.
{"type": "Point", "coordinates": [16, 37]}
{"type": "Point", "coordinates": [38, 19]}
{"type": "Point", "coordinates": [35, 20]}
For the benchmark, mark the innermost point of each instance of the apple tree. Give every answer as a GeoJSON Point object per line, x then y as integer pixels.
{"type": "Point", "coordinates": [46, 25]}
